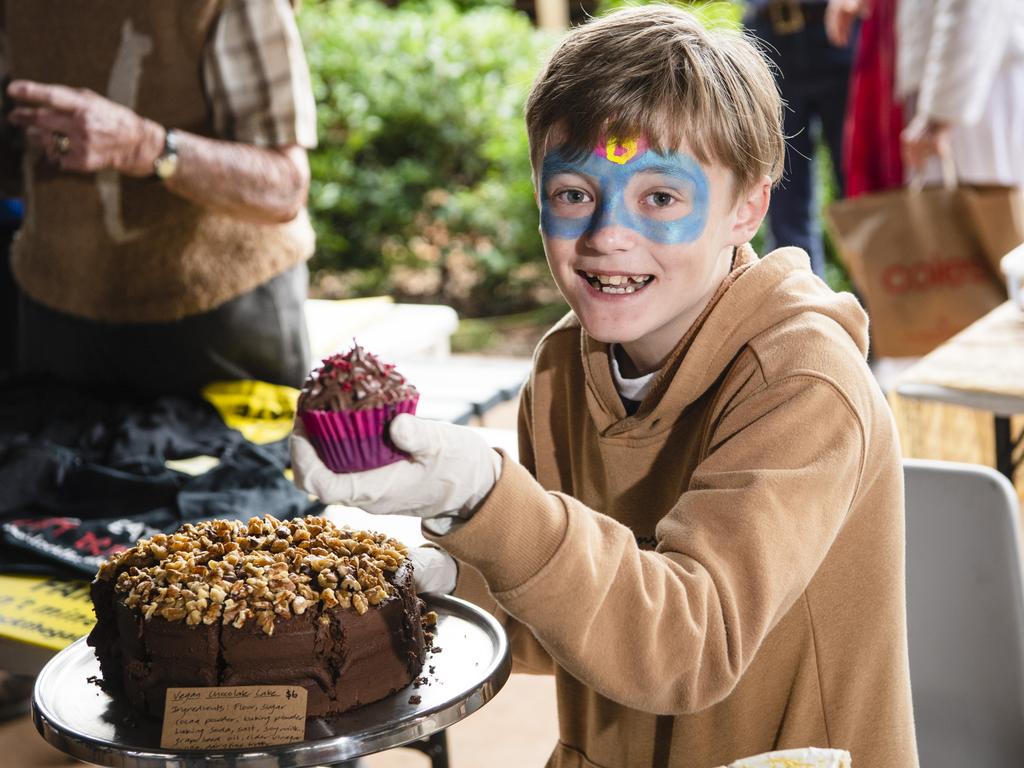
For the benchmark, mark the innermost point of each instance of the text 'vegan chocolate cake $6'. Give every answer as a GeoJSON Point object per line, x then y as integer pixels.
{"type": "Point", "coordinates": [300, 602]}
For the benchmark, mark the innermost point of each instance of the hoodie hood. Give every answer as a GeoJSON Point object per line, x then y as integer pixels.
{"type": "Point", "coordinates": [761, 295]}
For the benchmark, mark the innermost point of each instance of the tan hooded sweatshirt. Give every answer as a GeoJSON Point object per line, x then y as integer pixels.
{"type": "Point", "coordinates": [722, 573]}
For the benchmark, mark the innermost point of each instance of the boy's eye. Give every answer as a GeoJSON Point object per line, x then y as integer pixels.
{"type": "Point", "coordinates": [660, 199]}
{"type": "Point", "coordinates": [572, 196]}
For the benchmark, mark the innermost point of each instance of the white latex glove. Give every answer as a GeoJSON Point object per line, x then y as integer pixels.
{"type": "Point", "coordinates": [433, 570]}
{"type": "Point", "coordinates": [451, 471]}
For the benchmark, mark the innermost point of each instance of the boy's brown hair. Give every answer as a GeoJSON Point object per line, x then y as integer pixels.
{"type": "Point", "coordinates": [656, 71]}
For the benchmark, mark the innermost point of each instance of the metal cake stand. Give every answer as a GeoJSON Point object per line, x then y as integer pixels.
{"type": "Point", "coordinates": [470, 666]}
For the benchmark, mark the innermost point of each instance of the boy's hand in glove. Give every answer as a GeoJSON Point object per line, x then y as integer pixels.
{"type": "Point", "coordinates": [433, 570]}
{"type": "Point", "coordinates": [451, 471]}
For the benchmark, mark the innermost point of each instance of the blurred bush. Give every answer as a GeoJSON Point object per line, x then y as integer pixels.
{"type": "Point", "coordinates": [421, 182]}
{"type": "Point", "coordinates": [713, 13]}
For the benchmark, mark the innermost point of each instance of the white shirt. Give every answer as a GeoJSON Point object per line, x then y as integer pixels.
{"type": "Point", "coordinates": [631, 389]}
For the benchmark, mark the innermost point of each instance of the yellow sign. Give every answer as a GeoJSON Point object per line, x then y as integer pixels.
{"type": "Point", "coordinates": [52, 613]}
{"type": "Point", "coordinates": [233, 716]}
{"type": "Point", "coordinates": [262, 412]}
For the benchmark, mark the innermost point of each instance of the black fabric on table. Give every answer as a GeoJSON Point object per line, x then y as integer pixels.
{"type": "Point", "coordinates": [82, 475]}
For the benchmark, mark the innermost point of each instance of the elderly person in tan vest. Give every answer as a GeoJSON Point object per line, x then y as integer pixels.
{"type": "Point", "coordinates": [165, 181]}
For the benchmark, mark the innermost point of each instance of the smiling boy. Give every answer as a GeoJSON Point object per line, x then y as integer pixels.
{"type": "Point", "coordinates": [703, 541]}
{"type": "Point", "coordinates": [626, 235]}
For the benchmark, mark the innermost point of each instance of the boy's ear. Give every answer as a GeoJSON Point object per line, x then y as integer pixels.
{"type": "Point", "coordinates": [750, 211]}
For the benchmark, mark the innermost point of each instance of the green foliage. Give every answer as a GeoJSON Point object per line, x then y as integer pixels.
{"type": "Point", "coordinates": [422, 177]}
{"type": "Point", "coordinates": [462, 5]}
{"type": "Point", "coordinates": [713, 13]}
{"type": "Point", "coordinates": [516, 334]}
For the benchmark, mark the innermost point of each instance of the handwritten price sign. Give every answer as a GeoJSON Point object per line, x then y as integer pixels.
{"type": "Point", "coordinates": [233, 717]}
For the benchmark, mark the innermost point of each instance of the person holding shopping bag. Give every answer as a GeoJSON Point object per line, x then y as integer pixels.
{"type": "Point", "coordinates": [960, 68]}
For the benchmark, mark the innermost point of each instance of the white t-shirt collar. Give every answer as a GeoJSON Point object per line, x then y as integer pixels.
{"type": "Point", "coordinates": [631, 389]}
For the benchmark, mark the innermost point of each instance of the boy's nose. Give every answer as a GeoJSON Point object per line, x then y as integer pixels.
{"type": "Point", "coordinates": [607, 233]}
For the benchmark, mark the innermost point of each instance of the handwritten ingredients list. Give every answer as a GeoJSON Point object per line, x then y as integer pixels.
{"type": "Point", "coordinates": [233, 717]}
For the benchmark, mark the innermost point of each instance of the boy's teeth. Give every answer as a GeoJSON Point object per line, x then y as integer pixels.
{"type": "Point", "coordinates": [617, 283]}
{"type": "Point", "coordinates": [617, 279]}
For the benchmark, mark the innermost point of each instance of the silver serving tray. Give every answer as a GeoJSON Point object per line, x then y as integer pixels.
{"type": "Point", "coordinates": [77, 717]}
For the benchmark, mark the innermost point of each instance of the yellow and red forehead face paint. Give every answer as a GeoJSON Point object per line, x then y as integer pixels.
{"type": "Point", "coordinates": [610, 187]}
{"type": "Point", "coordinates": [620, 152]}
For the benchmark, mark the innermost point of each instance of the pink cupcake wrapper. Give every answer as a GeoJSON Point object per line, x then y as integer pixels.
{"type": "Point", "coordinates": [355, 441]}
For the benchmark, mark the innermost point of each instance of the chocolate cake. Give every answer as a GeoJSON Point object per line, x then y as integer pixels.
{"type": "Point", "coordinates": [300, 602]}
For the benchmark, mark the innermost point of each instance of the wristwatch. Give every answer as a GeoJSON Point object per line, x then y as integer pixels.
{"type": "Point", "coordinates": [166, 162]}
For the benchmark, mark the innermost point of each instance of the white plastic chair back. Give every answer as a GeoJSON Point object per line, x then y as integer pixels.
{"type": "Point", "coordinates": [965, 613]}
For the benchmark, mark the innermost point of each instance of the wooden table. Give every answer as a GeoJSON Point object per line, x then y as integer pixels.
{"type": "Point", "coordinates": [965, 400]}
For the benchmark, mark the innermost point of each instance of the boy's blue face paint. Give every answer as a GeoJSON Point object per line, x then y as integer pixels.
{"type": "Point", "coordinates": [611, 179]}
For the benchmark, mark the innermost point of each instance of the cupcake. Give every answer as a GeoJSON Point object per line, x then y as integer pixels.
{"type": "Point", "coordinates": [346, 405]}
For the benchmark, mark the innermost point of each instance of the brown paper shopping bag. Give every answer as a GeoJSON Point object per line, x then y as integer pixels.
{"type": "Point", "coordinates": [997, 215]}
{"type": "Point", "coordinates": [918, 263]}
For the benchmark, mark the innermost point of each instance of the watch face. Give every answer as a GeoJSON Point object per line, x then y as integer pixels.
{"type": "Point", "coordinates": [165, 166]}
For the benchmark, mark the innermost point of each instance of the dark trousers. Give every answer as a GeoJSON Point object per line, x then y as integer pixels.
{"type": "Point", "coordinates": [8, 307]}
{"type": "Point", "coordinates": [813, 77]}
{"type": "Point", "coordinates": [258, 335]}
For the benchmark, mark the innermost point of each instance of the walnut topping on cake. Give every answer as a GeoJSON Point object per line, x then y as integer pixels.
{"type": "Point", "coordinates": [265, 569]}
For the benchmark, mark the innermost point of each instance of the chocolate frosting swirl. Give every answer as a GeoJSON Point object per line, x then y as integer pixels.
{"type": "Point", "coordinates": [354, 381]}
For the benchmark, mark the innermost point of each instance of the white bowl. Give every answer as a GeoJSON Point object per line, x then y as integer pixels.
{"type": "Point", "coordinates": [1012, 265]}
{"type": "Point", "coordinates": [811, 757]}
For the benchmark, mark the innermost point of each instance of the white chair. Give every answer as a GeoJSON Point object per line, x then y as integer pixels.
{"type": "Point", "coordinates": [965, 614]}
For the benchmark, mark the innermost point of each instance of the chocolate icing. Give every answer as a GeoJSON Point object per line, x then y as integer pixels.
{"type": "Point", "coordinates": [344, 658]}
{"type": "Point", "coordinates": [356, 380]}
{"type": "Point", "coordinates": [345, 662]}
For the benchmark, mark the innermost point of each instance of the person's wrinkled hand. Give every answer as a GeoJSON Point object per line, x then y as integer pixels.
{"type": "Point", "coordinates": [840, 16]}
{"type": "Point", "coordinates": [433, 570]}
{"type": "Point", "coordinates": [79, 130]}
{"type": "Point", "coordinates": [450, 472]}
{"type": "Point", "coordinates": [923, 138]}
